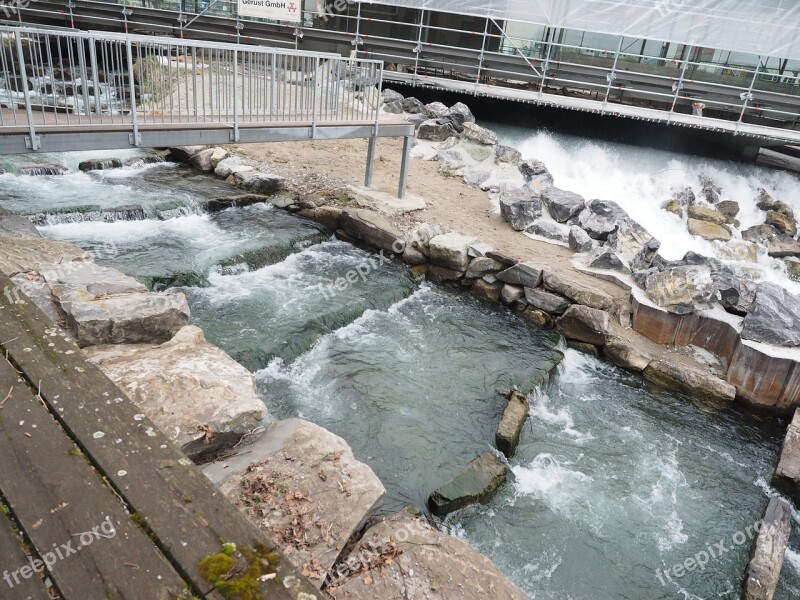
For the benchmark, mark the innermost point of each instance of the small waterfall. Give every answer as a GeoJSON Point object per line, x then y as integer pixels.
{"type": "Point", "coordinates": [84, 214]}
{"type": "Point", "coordinates": [43, 170]}
{"type": "Point", "coordinates": [137, 162]}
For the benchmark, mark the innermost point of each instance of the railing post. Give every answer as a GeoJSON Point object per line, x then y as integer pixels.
{"type": "Point", "coordinates": [235, 95]}
{"type": "Point", "coordinates": [33, 143]}
{"type": "Point", "coordinates": [194, 80]}
{"type": "Point", "coordinates": [748, 95]}
{"type": "Point", "coordinates": [95, 77]}
{"type": "Point", "coordinates": [401, 192]}
{"type": "Point", "coordinates": [612, 76]}
{"type": "Point", "coordinates": [480, 59]}
{"type": "Point", "coordinates": [679, 84]}
{"type": "Point", "coordinates": [135, 137]}
{"type": "Point", "coordinates": [418, 48]}
{"type": "Point", "coordinates": [544, 70]}
{"type": "Point", "coordinates": [314, 100]}
{"type": "Point", "coordinates": [370, 161]}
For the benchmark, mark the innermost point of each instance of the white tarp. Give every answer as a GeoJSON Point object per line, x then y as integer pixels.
{"type": "Point", "coordinates": [277, 10]}
{"type": "Point", "coordinates": [765, 27]}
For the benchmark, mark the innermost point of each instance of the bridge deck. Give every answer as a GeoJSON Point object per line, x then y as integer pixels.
{"type": "Point", "coordinates": [81, 468]}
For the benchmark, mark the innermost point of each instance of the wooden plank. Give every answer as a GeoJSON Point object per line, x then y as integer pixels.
{"type": "Point", "coordinates": [14, 557]}
{"type": "Point", "coordinates": [75, 523]}
{"type": "Point", "coordinates": [189, 517]}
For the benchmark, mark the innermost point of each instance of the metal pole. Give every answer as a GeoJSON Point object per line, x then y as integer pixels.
{"type": "Point", "coordinates": [612, 76]}
{"type": "Point", "coordinates": [483, 52]}
{"type": "Point", "coordinates": [544, 70]}
{"type": "Point", "coordinates": [135, 138]}
{"type": "Point", "coordinates": [33, 143]}
{"type": "Point", "coordinates": [95, 77]}
{"type": "Point", "coordinates": [370, 161]}
{"type": "Point", "coordinates": [314, 101]}
{"type": "Point", "coordinates": [235, 96]}
{"type": "Point", "coordinates": [748, 95]}
{"type": "Point", "coordinates": [679, 84]}
{"type": "Point", "coordinates": [401, 192]}
{"type": "Point", "coordinates": [418, 49]}
{"type": "Point", "coordinates": [194, 80]}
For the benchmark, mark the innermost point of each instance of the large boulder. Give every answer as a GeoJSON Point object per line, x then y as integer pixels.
{"type": "Point", "coordinates": [477, 483]}
{"type": "Point", "coordinates": [536, 174]}
{"type": "Point", "coordinates": [390, 95]}
{"type": "Point", "coordinates": [507, 155]}
{"type": "Point", "coordinates": [207, 160]}
{"type": "Point", "coordinates": [99, 164]}
{"type": "Point", "coordinates": [436, 130]}
{"type": "Point", "coordinates": [483, 265]}
{"type": "Point", "coordinates": [626, 355]}
{"type": "Point", "coordinates": [579, 240]}
{"type": "Point", "coordinates": [259, 183]}
{"type": "Point", "coordinates": [420, 238]}
{"type": "Point", "coordinates": [479, 134]}
{"type": "Point", "coordinates": [301, 484]}
{"type": "Point", "coordinates": [681, 289]}
{"type": "Point", "coordinates": [520, 207]}
{"type": "Point", "coordinates": [394, 107]}
{"type": "Point", "coordinates": [689, 380]}
{"type": "Point", "coordinates": [552, 304]}
{"type": "Point", "coordinates": [525, 274]}
{"type": "Point", "coordinates": [183, 383]}
{"type": "Point", "coordinates": [184, 153]}
{"type": "Point", "coordinates": [787, 474]}
{"type": "Point", "coordinates": [373, 229]}
{"type": "Point", "coordinates": [578, 293]}
{"type": "Point", "coordinates": [774, 317]}
{"type": "Point", "coordinates": [703, 213]}
{"type": "Point", "coordinates": [510, 428]}
{"type": "Point", "coordinates": [600, 218]}
{"type": "Point", "coordinates": [413, 106]}
{"type": "Point", "coordinates": [451, 251]}
{"type": "Point", "coordinates": [783, 246]}
{"type": "Point", "coordinates": [730, 209]}
{"type": "Point", "coordinates": [233, 164]}
{"type": "Point", "coordinates": [585, 324]}
{"type": "Point", "coordinates": [549, 230]}
{"type": "Point", "coordinates": [14, 226]}
{"type": "Point", "coordinates": [28, 254]}
{"type": "Point", "coordinates": [405, 557]}
{"type": "Point", "coordinates": [768, 553]}
{"type": "Point", "coordinates": [709, 231]}
{"type": "Point", "coordinates": [462, 112]}
{"type": "Point", "coordinates": [103, 306]}
{"type": "Point", "coordinates": [435, 110]}
{"type": "Point", "coordinates": [782, 222]}
{"type": "Point", "coordinates": [562, 205]}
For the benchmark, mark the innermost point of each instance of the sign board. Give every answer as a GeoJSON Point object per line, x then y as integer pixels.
{"type": "Point", "coordinates": [277, 10]}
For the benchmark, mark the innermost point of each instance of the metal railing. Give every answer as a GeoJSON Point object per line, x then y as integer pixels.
{"type": "Point", "coordinates": [53, 79]}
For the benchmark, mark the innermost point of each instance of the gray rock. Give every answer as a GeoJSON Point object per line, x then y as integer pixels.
{"type": "Point", "coordinates": [262, 183]}
{"type": "Point", "coordinates": [437, 130]}
{"type": "Point", "coordinates": [479, 134]}
{"type": "Point", "coordinates": [548, 230]}
{"type": "Point", "coordinates": [183, 383]}
{"type": "Point", "coordinates": [561, 204]}
{"type": "Point", "coordinates": [536, 171]}
{"type": "Point", "coordinates": [28, 254]}
{"type": "Point", "coordinates": [435, 110]}
{"type": "Point", "coordinates": [231, 165]}
{"type": "Point", "coordinates": [630, 241]}
{"type": "Point", "coordinates": [511, 293]}
{"type": "Point", "coordinates": [373, 229]}
{"type": "Point", "coordinates": [783, 246]}
{"type": "Point", "coordinates": [552, 304]}
{"type": "Point", "coordinates": [626, 355]}
{"type": "Point", "coordinates": [477, 483]}
{"type": "Point", "coordinates": [413, 106]}
{"type": "Point", "coordinates": [412, 256]}
{"type": "Point", "coordinates": [768, 553]}
{"type": "Point", "coordinates": [207, 160]}
{"type": "Point", "coordinates": [297, 459]}
{"type": "Point", "coordinates": [184, 153]}
{"type": "Point", "coordinates": [684, 197]}
{"type": "Point", "coordinates": [507, 155]}
{"type": "Point", "coordinates": [479, 249]}
{"type": "Point", "coordinates": [420, 238]}
{"type": "Point", "coordinates": [682, 289]}
{"type": "Point", "coordinates": [451, 251]}
{"type": "Point", "coordinates": [729, 208]}
{"type": "Point", "coordinates": [524, 274]}
{"type": "Point", "coordinates": [774, 317]}
{"type": "Point", "coordinates": [694, 382]}
{"type": "Point", "coordinates": [99, 164]}
{"type": "Point", "coordinates": [600, 218]}
{"type": "Point", "coordinates": [14, 226]}
{"type": "Point", "coordinates": [709, 190]}
{"type": "Point", "coordinates": [646, 256]}
{"type": "Point", "coordinates": [461, 111]}
{"type": "Point", "coordinates": [782, 222]}
{"type": "Point", "coordinates": [426, 564]}
{"type": "Point", "coordinates": [42, 169]}
{"type": "Point", "coordinates": [477, 179]}
{"type": "Point", "coordinates": [37, 291]}
{"type": "Point", "coordinates": [483, 266]}
{"type": "Point", "coordinates": [393, 108]}
{"type": "Point", "coordinates": [514, 416]}
{"type": "Point", "coordinates": [605, 258]}
{"type": "Point", "coordinates": [787, 474]}
{"type": "Point", "coordinates": [579, 240]}
{"type": "Point", "coordinates": [390, 95]}
{"type": "Point", "coordinates": [759, 233]}
{"type": "Point", "coordinates": [580, 294]}
{"type": "Point", "coordinates": [488, 289]}
{"type": "Point", "coordinates": [585, 324]}
{"type": "Point", "coordinates": [417, 120]}
{"type": "Point", "coordinates": [709, 231]}
{"type": "Point", "coordinates": [520, 207]}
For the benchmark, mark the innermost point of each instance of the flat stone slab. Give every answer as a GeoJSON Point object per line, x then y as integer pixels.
{"type": "Point", "coordinates": [404, 557]}
{"type": "Point", "coordinates": [104, 306]}
{"type": "Point", "coordinates": [585, 324]}
{"type": "Point", "coordinates": [626, 355]}
{"type": "Point", "coordinates": [14, 226]}
{"type": "Point", "coordinates": [578, 293]}
{"type": "Point", "coordinates": [184, 383]}
{"type": "Point", "coordinates": [525, 274]}
{"type": "Point", "coordinates": [303, 485]}
{"type": "Point", "coordinates": [451, 251]}
{"type": "Point", "coordinates": [769, 550]}
{"type": "Point", "coordinates": [475, 484]}
{"type": "Point", "coordinates": [373, 229]}
{"type": "Point", "coordinates": [694, 382]}
{"type": "Point", "coordinates": [787, 474]}
{"type": "Point", "coordinates": [510, 427]}
{"type": "Point", "coordinates": [28, 254]}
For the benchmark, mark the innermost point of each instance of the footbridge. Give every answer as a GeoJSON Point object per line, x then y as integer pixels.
{"type": "Point", "coordinates": [474, 55]}
{"type": "Point", "coordinates": [66, 90]}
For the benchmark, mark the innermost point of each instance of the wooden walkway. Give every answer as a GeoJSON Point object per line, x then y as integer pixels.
{"type": "Point", "coordinates": [95, 502]}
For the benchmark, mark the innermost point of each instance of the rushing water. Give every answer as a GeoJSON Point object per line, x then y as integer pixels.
{"type": "Point", "coordinates": [613, 479]}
